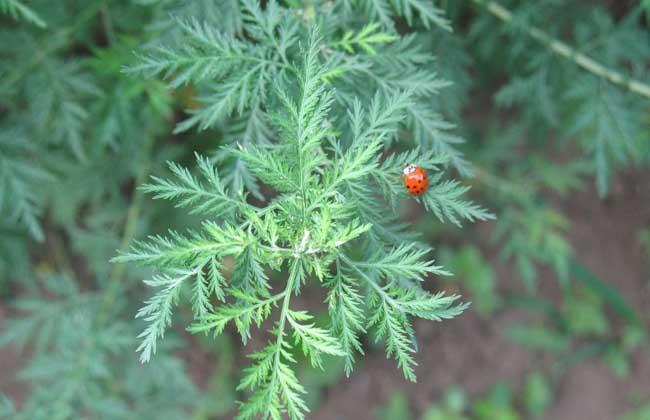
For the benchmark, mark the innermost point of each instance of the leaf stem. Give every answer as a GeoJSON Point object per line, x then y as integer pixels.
{"type": "Point", "coordinates": [130, 225]}
{"type": "Point", "coordinates": [377, 287]}
{"type": "Point", "coordinates": [570, 53]}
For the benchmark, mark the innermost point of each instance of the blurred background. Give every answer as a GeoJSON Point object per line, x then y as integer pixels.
{"type": "Point", "coordinates": [559, 282]}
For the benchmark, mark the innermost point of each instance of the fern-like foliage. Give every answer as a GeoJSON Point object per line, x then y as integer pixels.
{"type": "Point", "coordinates": [304, 230]}
{"type": "Point", "coordinates": [385, 11]}
{"type": "Point", "coordinates": [562, 97]}
{"type": "Point", "coordinates": [19, 181]}
{"type": "Point", "coordinates": [300, 138]}
{"type": "Point", "coordinates": [19, 10]}
{"type": "Point", "coordinates": [245, 70]}
{"type": "Point", "coordinates": [74, 354]}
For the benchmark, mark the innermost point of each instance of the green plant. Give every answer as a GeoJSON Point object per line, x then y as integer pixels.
{"type": "Point", "coordinates": [305, 230]}
{"type": "Point", "coordinates": [18, 10]}
{"type": "Point", "coordinates": [640, 413]}
{"type": "Point", "coordinates": [574, 94]}
{"type": "Point", "coordinates": [451, 406]}
{"type": "Point", "coordinates": [537, 394]}
{"type": "Point", "coordinates": [301, 134]}
{"type": "Point", "coordinates": [470, 268]}
{"type": "Point", "coordinates": [580, 328]}
{"type": "Point", "coordinates": [396, 408]}
{"type": "Point", "coordinates": [498, 402]}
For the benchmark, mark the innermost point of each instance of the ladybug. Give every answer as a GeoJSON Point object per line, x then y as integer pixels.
{"type": "Point", "coordinates": [416, 179]}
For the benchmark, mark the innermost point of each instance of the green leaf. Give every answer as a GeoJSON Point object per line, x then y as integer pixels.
{"type": "Point", "coordinates": [496, 405]}
{"type": "Point", "coordinates": [606, 292]}
{"type": "Point", "coordinates": [538, 338]}
{"type": "Point", "coordinates": [345, 307]}
{"type": "Point", "coordinates": [248, 309]}
{"type": "Point", "coordinates": [157, 311]}
{"type": "Point", "coordinates": [396, 408]}
{"type": "Point", "coordinates": [470, 267]}
{"type": "Point", "coordinates": [18, 10]}
{"type": "Point", "coordinates": [195, 249]}
{"type": "Point", "coordinates": [390, 305]}
{"type": "Point", "coordinates": [314, 340]}
{"type": "Point", "coordinates": [538, 394]}
{"type": "Point", "coordinates": [406, 260]}
{"type": "Point", "coordinates": [364, 39]}
{"type": "Point", "coordinates": [444, 199]}
{"type": "Point", "coordinates": [188, 191]}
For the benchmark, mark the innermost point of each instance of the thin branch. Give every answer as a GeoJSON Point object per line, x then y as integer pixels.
{"type": "Point", "coordinates": [570, 53]}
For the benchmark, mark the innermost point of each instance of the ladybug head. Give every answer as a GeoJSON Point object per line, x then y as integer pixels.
{"type": "Point", "coordinates": [409, 169]}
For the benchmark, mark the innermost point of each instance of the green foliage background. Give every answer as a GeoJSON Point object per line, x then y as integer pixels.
{"type": "Point", "coordinates": [243, 157]}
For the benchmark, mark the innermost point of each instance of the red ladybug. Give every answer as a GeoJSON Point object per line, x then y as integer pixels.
{"type": "Point", "coordinates": [416, 179]}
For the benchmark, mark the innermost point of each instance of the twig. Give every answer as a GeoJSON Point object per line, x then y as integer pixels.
{"type": "Point", "coordinates": [113, 285]}
{"type": "Point", "coordinates": [569, 52]}
{"type": "Point", "coordinates": [130, 225]}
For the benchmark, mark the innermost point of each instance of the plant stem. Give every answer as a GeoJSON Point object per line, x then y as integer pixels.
{"type": "Point", "coordinates": [108, 25]}
{"type": "Point", "coordinates": [570, 53]}
{"type": "Point", "coordinates": [378, 288]}
{"type": "Point", "coordinates": [130, 225]}
{"type": "Point", "coordinates": [113, 282]}
{"type": "Point", "coordinates": [293, 274]}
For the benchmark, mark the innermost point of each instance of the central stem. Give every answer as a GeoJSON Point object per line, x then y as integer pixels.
{"type": "Point", "coordinates": [293, 274]}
